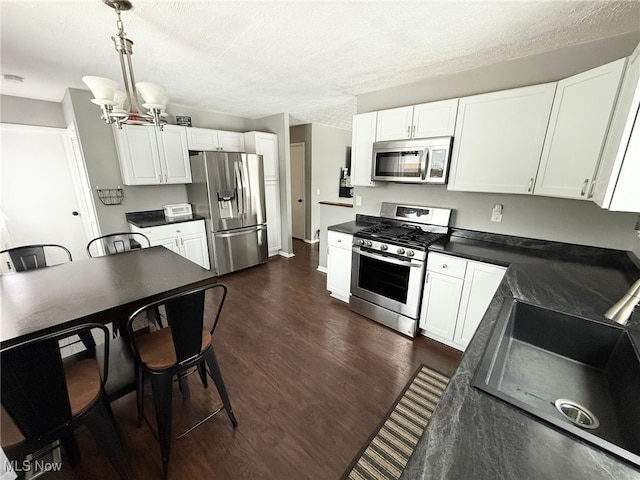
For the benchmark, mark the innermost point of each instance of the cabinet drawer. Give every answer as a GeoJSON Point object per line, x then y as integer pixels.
{"type": "Point", "coordinates": [446, 264]}
{"type": "Point", "coordinates": [338, 239]}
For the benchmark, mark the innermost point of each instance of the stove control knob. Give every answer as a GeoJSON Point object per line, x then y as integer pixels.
{"type": "Point", "coordinates": [369, 243]}
{"type": "Point", "coordinates": [410, 253]}
{"type": "Point", "coordinates": [360, 242]}
{"type": "Point", "coordinates": [401, 251]}
{"type": "Point", "coordinates": [384, 247]}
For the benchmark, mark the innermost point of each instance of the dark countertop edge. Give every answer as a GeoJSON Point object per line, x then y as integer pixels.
{"type": "Point", "coordinates": [337, 204]}
{"type": "Point", "coordinates": [156, 218]}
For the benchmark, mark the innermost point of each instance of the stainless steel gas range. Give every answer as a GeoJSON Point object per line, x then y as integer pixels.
{"type": "Point", "coordinates": [389, 263]}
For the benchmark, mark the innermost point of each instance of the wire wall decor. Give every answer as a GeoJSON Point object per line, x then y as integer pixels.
{"type": "Point", "coordinates": [110, 196]}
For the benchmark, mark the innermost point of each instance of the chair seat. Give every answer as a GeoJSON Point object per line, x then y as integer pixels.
{"type": "Point", "coordinates": [83, 384]}
{"type": "Point", "coordinates": [9, 433]}
{"type": "Point", "coordinates": [157, 351]}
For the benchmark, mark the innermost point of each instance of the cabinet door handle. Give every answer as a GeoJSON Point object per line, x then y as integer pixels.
{"type": "Point", "coordinates": [584, 187]}
{"type": "Point", "coordinates": [176, 242]}
{"type": "Point", "coordinates": [426, 278]}
{"type": "Point", "coordinates": [181, 241]}
{"type": "Point", "coordinates": [444, 265]}
{"type": "Point", "coordinates": [165, 178]}
{"type": "Point", "coordinates": [593, 186]}
{"type": "Point", "coordinates": [530, 185]}
{"type": "Point", "coordinates": [409, 131]}
{"type": "Point", "coordinates": [413, 132]}
{"type": "Point", "coordinates": [160, 178]}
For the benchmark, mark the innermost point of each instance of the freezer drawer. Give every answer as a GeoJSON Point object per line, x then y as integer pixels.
{"type": "Point", "coordinates": [240, 248]}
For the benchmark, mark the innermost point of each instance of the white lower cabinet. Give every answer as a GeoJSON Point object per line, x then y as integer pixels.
{"type": "Point", "coordinates": [188, 239]}
{"type": "Point", "coordinates": [272, 204]}
{"type": "Point", "coordinates": [457, 293]}
{"type": "Point", "coordinates": [339, 264]}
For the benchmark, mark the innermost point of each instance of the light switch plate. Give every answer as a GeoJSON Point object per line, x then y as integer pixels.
{"type": "Point", "coordinates": [358, 201]}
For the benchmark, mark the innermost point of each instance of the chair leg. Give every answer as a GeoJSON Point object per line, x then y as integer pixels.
{"type": "Point", "coordinates": [183, 383]}
{"type": "Point", "coordinates": [214, 370]}
{"type": "Point", "coordinates": [102, 424]}
{"type": "Point", "coordinates": [140, 392]}
{"type": "Point", "coordinates": [162, 395]}
{"type": "Point", "coordinates": [202, 370]}
{"type": "Point", "coordinates": [71, 449]}
{"type": "Point", "coordinates": [87, 340]}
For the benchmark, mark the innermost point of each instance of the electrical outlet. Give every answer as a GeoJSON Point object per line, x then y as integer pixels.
{"type": "Point", "coordinates": [358, 201]}
{"type": "Point", "coordinates": [496, 213]}
{"type": "Point", "coordinates": [318, 191]}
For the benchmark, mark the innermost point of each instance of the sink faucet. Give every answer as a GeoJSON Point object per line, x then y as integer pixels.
{"type": "Point", "coordinates": [621, 311]}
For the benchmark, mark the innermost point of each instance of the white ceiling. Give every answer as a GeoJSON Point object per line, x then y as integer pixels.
{"type": "Point", "coordinates": [306, 58]}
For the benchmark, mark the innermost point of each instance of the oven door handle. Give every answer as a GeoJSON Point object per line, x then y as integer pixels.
{"type": "Point", "coordinates": [404, 263]}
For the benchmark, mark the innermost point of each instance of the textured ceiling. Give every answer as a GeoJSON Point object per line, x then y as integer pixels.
{"type": "Point", "coordinates": [306, 58]}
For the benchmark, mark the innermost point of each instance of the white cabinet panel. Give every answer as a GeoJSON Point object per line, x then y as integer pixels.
{"type": "Point", "coordinates": [480, 284]}
{"type": "Point", "coordinates": [619, 169]}
{"type": "Point", "coordinates": [582, 110]}
{"type": "Point", "coordinates": [394, 124]}
{"type": "Point", "coordinates": [339, 264]}
{"type": "Point", "coordinates": [208, 139]}
{"type": "Point", "coordinates": [272, 205]}
{"type": "Point", "coordinates": [499, 138]}
{"type": "Point", "coordinates": [363, 135]}
{"type": "Point", "coordinates": [194, 247]}
{"type": "Point", "coordinates": [265, 144]}
{"type": "Point", "coordinates": [149, 156]}
{"type": "Point", "coordinates": [435, 119]}
{"type": "Point", "coordinates": [440, 304]}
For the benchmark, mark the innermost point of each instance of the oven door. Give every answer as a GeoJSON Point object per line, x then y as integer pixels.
{"type": "Point", "coordinates": [394, 283]}
{"type": "Point", "coordinates": [407, 165]}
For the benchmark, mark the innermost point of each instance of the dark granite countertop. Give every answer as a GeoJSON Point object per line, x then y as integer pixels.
{"type": "Point", "coordinates": [473, 435]}
{"type": "Point", "coordinates": [155, 218]}
{"type": "Point", "coordinates": [354, 226]}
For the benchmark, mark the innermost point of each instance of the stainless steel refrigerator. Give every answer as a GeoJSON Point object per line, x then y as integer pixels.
{"type": "Point", "coordinates": [228, 191]}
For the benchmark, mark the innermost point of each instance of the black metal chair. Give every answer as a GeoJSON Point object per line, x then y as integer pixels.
{"type": "Point", "coordinates": [45, 399]}
{"type": "Point", "coordinates": [30, 257]}
{"type": "Point", "coordinates": [192, 317]}
{"type": "Point", "coordinates": [114, 243]}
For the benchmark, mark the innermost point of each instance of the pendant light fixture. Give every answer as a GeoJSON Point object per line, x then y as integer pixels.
{"type": "Point", "coordinates": [120, 107]}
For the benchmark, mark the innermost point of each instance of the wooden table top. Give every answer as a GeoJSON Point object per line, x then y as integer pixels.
{"type": "Point", "coordinates": [100, 289]}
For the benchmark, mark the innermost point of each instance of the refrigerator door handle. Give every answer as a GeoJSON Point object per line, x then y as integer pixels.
{"type": "Point", "coordinates": [240, 231]}
{"type": "Point", "coordinates": [240, 189]}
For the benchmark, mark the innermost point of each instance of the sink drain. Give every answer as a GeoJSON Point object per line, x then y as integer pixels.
{"type": "Point", "coordinates": [577, 414]}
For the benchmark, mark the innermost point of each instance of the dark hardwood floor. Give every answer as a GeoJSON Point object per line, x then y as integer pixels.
{"type": "Point", "coordinates": [308, 379]}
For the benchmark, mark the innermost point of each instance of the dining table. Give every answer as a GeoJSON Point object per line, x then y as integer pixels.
{"type": "Point", "coordinates": [102, 289]}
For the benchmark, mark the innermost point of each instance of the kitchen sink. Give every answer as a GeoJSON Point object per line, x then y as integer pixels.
{"type": "Point", "coordinates": [580, 375]}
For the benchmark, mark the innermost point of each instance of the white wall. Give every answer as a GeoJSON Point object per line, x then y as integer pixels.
{"type": "Point", "coordinates": [328, 156]}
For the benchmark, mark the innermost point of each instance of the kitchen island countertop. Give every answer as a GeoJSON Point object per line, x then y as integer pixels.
{"type": "Point", "coordinates": [473, 435]}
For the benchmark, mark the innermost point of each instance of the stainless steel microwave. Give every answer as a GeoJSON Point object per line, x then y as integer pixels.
{"type": "Point", "coordinates": [412, 161]}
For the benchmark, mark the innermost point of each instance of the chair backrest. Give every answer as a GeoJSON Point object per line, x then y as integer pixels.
{"type": "Point", "coordinates": [187, 313]}
{"type": "Point", "coordinates": [115, 243]}
{"type": "Point", "coordinates": [34, 390]}
{"type": "Point", "coordinates": [31, 257]}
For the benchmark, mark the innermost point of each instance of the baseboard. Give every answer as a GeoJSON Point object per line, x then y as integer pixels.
{"type": "Point", "coordinates": [322, 269]}
{"type": "Point", "coordinates": [285, 254]}
{"type": "Point", "coordinates": [311, 241]}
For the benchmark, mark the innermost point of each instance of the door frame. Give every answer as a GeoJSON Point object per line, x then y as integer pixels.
{"type": "Point", "coordinates": [304, 189]}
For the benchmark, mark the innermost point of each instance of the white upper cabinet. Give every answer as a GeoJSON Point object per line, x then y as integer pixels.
{"type": "Point", "coordinates": [265, 144]}
{"type": "Point", "coordinates": [207, 139]}
{"type": "Point", "coordinates": [578, 126]}
{"type": "Point", "coordinates": [498, 140]}
{"type": "Point", "coordinates": [363, 135]}
{"type": "Point", "coordinates": [434, 119]}
{"type": "Point", "coordinates": [149, 156]}
{"type": "Point", "coordinates": [619, 170]}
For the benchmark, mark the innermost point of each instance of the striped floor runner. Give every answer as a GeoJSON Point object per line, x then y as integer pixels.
{"type": "Point", "coordinates": [386, 455]}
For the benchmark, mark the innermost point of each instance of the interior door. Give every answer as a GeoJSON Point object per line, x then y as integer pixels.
{"type": "Point", "coordinates": [296, 151]}
{"type": "Point", "coordinates": [38, 194]}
